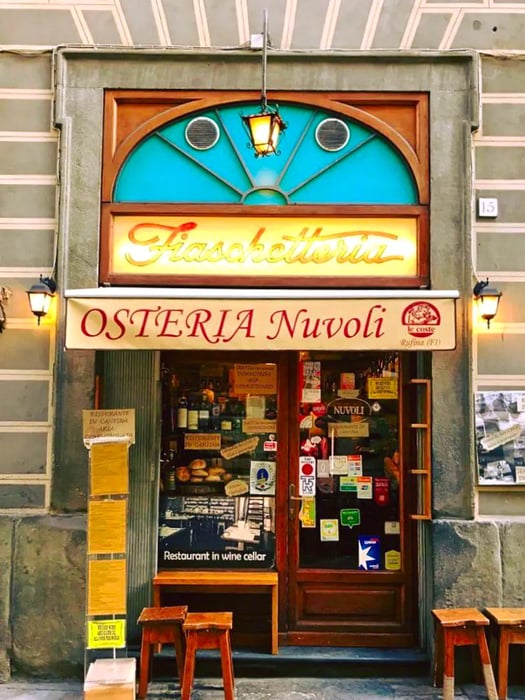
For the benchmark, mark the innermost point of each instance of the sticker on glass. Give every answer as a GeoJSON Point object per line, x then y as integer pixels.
{"type": "Point", "coordinates": [306, 476]}
{"type": "Point", "coordinates": [348, 483]}
{"type": "Point", "coordinates": [381, 490]}
{"type": "Point", "coordinates": [311, 382]}
{"type": "Point", "coordinates": [355, 465]}
{"type": "Point", "coordinates": [329, 530]}
{"type": "Point", "coordinates": [392, 527]}
{"type": "Point", "coordinates": [350, 517]}
{"type": "Point", "coordinates": [307, 515]}
{"type": "Point", "coordinates": [364, 487]}
{"type": "Point", "coordinates": [262, 478]}
{"type": "Point", "coordinates": [369, 552]}
{"type": "Point", "coordinates": [392, 560]}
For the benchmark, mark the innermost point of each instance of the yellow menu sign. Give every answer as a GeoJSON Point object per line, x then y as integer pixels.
{"type": "Point", "coordinates": [109, 468]}
{"type": "Point", "coordinates": [107, 587]}
{"type": "Point", "coordinates": [107, 527]}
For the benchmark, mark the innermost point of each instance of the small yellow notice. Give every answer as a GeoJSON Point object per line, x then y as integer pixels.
{"type": "Point", "coordinates": [202, 441]}
{"type": "Point", "coordinates": [392, 560]}
{"type": "Point", "coordinates": [382, 388]}
{"type": "Point", "coordinates": [255, 379]}
{"type": "Point", "coordinates": [106, 634]}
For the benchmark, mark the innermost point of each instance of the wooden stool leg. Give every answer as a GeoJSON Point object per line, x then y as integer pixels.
{"type": "Point", "coordinates": [438, 657]}
{"type": "Point", "coordinates": [189, 666]}
{"type": "Point", "coordinates": [503, 663]}
{"type": "Point", "coordinates": [226, 665]}
{"type": "Point", "coordinates": [488, 673]}
{"type": "Point", "coordinates": [144, 671]}
{"type": "Point", "coordinates": [448, 670]}
{"type": "Point", "coordinates": [180, 653]}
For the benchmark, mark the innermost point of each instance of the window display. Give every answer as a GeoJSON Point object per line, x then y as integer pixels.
{"type": "Point", "coordinates": [349, 464]}
{"type": "Point", "coordinates": [218, 464]}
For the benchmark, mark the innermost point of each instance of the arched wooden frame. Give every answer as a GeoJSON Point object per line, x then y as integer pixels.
{"type": "Point", "coordinates": [402, 118]}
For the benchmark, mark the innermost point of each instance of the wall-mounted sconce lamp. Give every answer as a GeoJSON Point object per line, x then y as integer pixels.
{"type": "Point", "coordinates": [5, 293]}
{"type": "Point", "coordinates": [487, 299]}
{"type": "Point", "coordinates": [40, 296]}
{"type": "Point", "coordinates": [265, 127]}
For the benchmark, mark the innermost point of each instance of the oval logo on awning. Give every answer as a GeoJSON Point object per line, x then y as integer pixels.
{"type": "Point", "coordinates": [353, 410]}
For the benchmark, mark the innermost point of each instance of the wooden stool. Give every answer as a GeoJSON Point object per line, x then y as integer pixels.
{"type": "Point", "coordinates": [460, 627]}
{"type": "Point", "coordinates": [208, 631]}
{"type": "Point", "coordinates": [509, 625]}
{"type": "Point", "coordinates": [160, 626]}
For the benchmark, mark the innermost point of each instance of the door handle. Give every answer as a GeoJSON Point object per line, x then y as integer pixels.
{"type": "Point", "coordinates": [292, 499]}
{"type": "Point", "coordinates": [291, 493]}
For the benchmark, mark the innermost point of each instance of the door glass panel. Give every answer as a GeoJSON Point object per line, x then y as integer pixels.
{"type": "Point", "coordinates": [348, 477]}
{"type": "Point", "coordinates": [218, 464]}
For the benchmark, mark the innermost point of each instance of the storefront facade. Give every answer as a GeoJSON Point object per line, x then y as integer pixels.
{"type": "Point", "coordinates": [317, 276]}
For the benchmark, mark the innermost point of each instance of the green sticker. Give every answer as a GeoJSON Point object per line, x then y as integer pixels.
{"type": "Point", "coordinates": [350, 517]}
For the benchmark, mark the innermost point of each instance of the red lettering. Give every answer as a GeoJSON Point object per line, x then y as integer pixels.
{"type": "Point", "coordinates": [119, 324]}
{"type": "Point", "coordinates": [378, 332]}
{"type": "Point", "coordinates": [330, 332]}
{"type": "Point", "coordinates": [103, 320]}
{"type": "Point", "coordinates": [196, 322]}
{"type": "Point", "coordinates": [224, 313]}
{"type": "Point", "coordinates": [282, 318]}
{"type": "Point", "coordinates": [146, 314]}
{"type": "Point", "coordinates": [245, 319]}
{"type": "Point", "coordinates": [314, 332]}
{"type": "Point", "coordinates": [346, 330]}
{"type": "Point", "coordinates": [167, 320]}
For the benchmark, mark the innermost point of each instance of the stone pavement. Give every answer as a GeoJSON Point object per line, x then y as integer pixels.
{"type": "Point", "coordinates": [268, 689]}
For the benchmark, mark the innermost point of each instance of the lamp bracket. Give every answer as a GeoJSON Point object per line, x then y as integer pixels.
{"type": "Point", "coordinates": [49, 282]}
{"type": "Point", "coordinates": [479, 287]}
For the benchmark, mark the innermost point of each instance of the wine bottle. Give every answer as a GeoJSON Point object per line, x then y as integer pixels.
{"type": "Point", "coordinates": [193, 414]}
{"type": "Point", "coordinates": [204, 413]}
{"type": "Point", "coordinates": [182, 412]}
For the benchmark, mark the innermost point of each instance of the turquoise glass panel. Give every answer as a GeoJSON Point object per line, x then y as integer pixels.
{"type": "Point", "coordinates": [164, 167]}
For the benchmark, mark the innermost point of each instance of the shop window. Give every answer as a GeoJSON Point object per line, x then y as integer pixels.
{"type": "Point", "coordinates": [218, 464]}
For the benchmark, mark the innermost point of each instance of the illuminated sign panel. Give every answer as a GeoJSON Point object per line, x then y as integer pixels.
{"type": "Point", "coordinates": [252, 324]}
{"type": "Point", "coordinates": [243, 247]}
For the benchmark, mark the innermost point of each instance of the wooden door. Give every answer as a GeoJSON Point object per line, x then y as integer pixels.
{"type": "Point", "coordinates": [350, 555]}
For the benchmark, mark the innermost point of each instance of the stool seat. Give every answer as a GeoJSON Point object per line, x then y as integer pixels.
{"type": "Point", "coordinates": [160, 625]}
{"type": "Point", "coordinates": [460, 627]}
{"type": "Point", "coordinates": [509, 626]}
{"type": "Point", "coordinates": [456, 617]}
{"type": "Point", "coordinates": [208, 630]}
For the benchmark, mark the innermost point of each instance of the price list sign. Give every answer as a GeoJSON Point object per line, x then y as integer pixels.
{"type": "Point", "coordinates": [107, 434]}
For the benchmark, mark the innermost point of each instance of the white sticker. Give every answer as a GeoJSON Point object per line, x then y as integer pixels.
{"type": "Point", "coordinates": [306, 476]}
{"type": "Point", "coordinates": [392, 527]}
{"type": "Point", "coordinates": [262, 478]}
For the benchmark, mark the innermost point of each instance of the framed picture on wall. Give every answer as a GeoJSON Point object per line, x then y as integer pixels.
{"type": "Point", "coordinates": [500, 437]}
